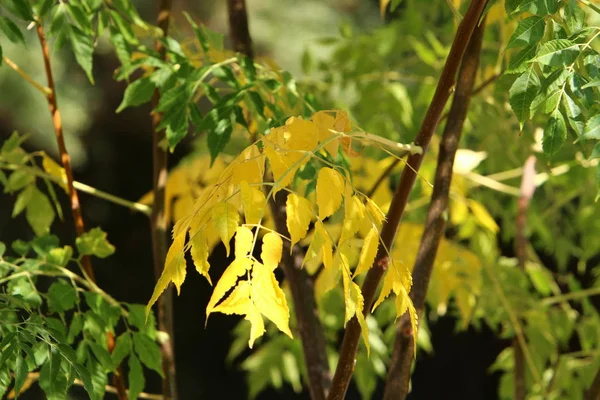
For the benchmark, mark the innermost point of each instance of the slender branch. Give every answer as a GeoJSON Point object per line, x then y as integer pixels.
{"type": "Point", "coordinates": [239, 31]}
{"type": "Point", "coordinates": [72, 193]}
{"type": "Point", "coordinates": [308, 324]}
{"type": "Point", "coordinates": [144, 209]}
{"type": "Point", "coordinates": [402, 357]}
{"type": "Point", "coordinates": [571, 296]}
{"type": "Point", "coordinates": [593, 392]}
{"type": "Point", "coordinates": [443, 91]}
{"type": "Point", "coordinates": [158, 223]}
{"type": "Point", "coordinates": [527, 189]}
{"type": "Point", "coordinates": [43, 89]}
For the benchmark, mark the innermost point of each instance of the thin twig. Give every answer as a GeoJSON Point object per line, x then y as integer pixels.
{"type": "Point", "coordinates": [82, 187]}
{"type": "Point", "coordinates": [444, 89]}
{"type": "Point", "coordinates": [43, 89]}
{"type": "Point", "coordinates": [158, 222]}
{"type": "Point", "coordinates": [527, 190]}
{"type": "Point", "coordinates": [571, 296]}
{"type": "Point", "coordinates": [65, 159]}
{"type": "Point", "coordinates": [398, 379]}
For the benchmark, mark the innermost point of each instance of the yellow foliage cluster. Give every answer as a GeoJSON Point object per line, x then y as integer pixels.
{"type": "Point", "coordinates": [214, 214]}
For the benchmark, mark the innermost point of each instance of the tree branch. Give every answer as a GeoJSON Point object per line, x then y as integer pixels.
{"type": "Point", "coordinates": [158, 222]}
{"type": "Point", "coordinates": [527, 189]}
{"type": "Point", "coordinates": [443, 91]}
{"type": "Point", "coordinates": [593, 392]}
{"type": "Point", "coordinates": [307, 314]}
{"type": "Point", "coordinates": [72, 193]}
{"type": "Point", "coordinates": [238, 27]}
{"type": "Point", "coordinates": [399, 371]}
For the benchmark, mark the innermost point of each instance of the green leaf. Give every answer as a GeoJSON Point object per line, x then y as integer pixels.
{"type": "Point", "coordinates": [593, 83]}
{"type": "Point", "coordinates": [60, 256]}
{"type": "Point", "coordinates": [573, 114]}
{"type": "Point", "coordinates": [137, 318]}
{"type": "Point", "coordinates": [136, 377]}
{"type": "Point", "coordinates": [75, 327]}
{"type": "Point", "coordinates": [522, 93]}
{"type": "Point", "coordinates": [595, 152]}
{"type": "Point", "coordinates": [2, 249]}
{"type": "Point", "coordinates": [557, 53]}
{"type": "Point", "coordinates": [139, 92]}
{"type": "Point", "coordinates": [22, 8]}
{"type": "Point", "coordinates": [61, 297]}
{"type": "Point", "coordinates": [11, 31]}
{"type": "Point", "coordinates": [102, 355]}
{"type": "Point", "coordinates": [94, 243]}
{"type": "Point", "coordinates": [23, 288]}
{"type": "Point", "coordinates": [22, 200]}
{"type": "Point", "coordinates": [529, 32]}
{"type": "Point", "coordinates": [555, 134]}
{"type": "Point", "coordinates": [148, 351]}
{"type": "Point", "coordinates": [18, 180]}
{"type": "Point", "coordinates": [219, 137]}
{"type": "Point", "coordinates": [21, 371]}
{"type": "Point", "coordinates": [43, 6]}
{"type": "Point", "coordinates": [83, 48]}
{"type": "Point", "coordinates": [39, 213]}
{"type": "Point", "coordinates": [518, 64]}
{"type": "Point", "coordinates": [247, 65]}
{"type": "Point", "coordinates": [592, 128]}
{"type": "Point", "coordinates": [272, 84]}
{"type": "Point", "coordinates": [80, 17]}
{"type": "Point", "coordinates": [122, 349]}
{"type": "Point", "coordinates": [549, 96]}
{"type": "Point", "coordinates": [79, 369]}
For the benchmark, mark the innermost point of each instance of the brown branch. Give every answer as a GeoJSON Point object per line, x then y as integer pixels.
{"type": "Point", "coordinates": [65, 159]}
{"type": "Point", "coordinates": [158, 223]}
{"type": "Point", "coordinates": [308, 324]}
{"type": "Point", "coordinates": [399, 371]}
{"type": "Point", "coordinates": [307, 316]}
{"type": "Point", "coordinates": [593, 392]}
{"type": "Point", "coordinates": [527, 189]}
{"type": "Point", "coordinates": [444, 89]}
{"type": "Point", "coordinates": [238, 27]}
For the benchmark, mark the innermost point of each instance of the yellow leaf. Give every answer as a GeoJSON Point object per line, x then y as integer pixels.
{"type": "Point", "coordinates": [354, 216]}
{"type": "Point", "coordinates": [325, 122]}
{"type": "Point", "coordinates": [368, 252]}
{"type": "Point", "coordinates": [199, 250]}
{"type": "Point", "coordinates": [301, 134]}
{"type": "Point", "coordinates": [358, 298]}
{"type": "Point", "coordinates": [254, 201]}
{"type": "Point", "coordinates": [268, 297]}
{"type": "Point", "coordinates": [271, 250]}
{"type": "Point", "coordinates": [54, 169]}
{"type": "Point", "coordinates": [350, 305]}
{"type": "Point", "coordinates": [299, 214]}
{"type": "Point", "coordinates": [243, 241]}
{"type": "Point", "coordinates": [257, 326]}
{"type": "Point", "coordinates": [237, 302]}
{"type": "Point", "coordinates": [354, 301]}
{"type": "Point", "coordinates": [237, 268]}
{"type": "Point", "coordinates": [330, 275]}
{"type": "Point", "coordinates": [249, 166]}
{"type": "Point", "coordinates": [375, 212]}
{"type": "Point", "coordinates": [182, 207]}
{"type": "Point", "coordinates": [330, 186]}
{"type": "Point", "coordinates": [282, 167]}
{"type": "Point", "coordinates": [483, 216]}
{"type": "Point", "coordinates": [174, 271]}
{"type": "Point", "coordinates": [225, 220]}
{"type": "Point", "coordinates": [319, 241]}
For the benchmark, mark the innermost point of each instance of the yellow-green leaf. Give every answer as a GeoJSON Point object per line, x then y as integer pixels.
{"type": "Point", "coordinates": [174, 271]}
{"type": "Point", "coordinates": [354, 216]}
{"type": "Point", "coordinates": [237, 268]}
{"type": "Point", "coordinates": [330, 186]}
{"type": "Point", "coordinates": [199, 250]}
{"type": "Point", "coordinates": [268, 297]}
{"type": "Point", "coordinates": [483, 216]}
{"type": "Point", "coordinates": [225, 220]}
{"type": "Point", "coordinates": [368, 252]}
{"type": "Point", "coordinates": [271, 250]}
{"type": "Point", "coordinates": [253, 201]}
{"type": "Point", "coordinates": [299, 214]}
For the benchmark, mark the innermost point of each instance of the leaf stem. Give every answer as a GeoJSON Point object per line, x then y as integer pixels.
{"type": "Point", "coordinates": [571, 296]}
{"type": "Point", "coordinates": [41, 88]}
{"type": "Point", "coordinates": [144, 209]}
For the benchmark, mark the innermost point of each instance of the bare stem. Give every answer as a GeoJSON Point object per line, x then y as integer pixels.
{"type": "Point", "coordinates": [402, 357]}
{"type": "Point", "coordinates": [527, 189]}
{"type": "Point", "coordinates": [72, 193]}
{"type": "Point", "coordinates": [43, 89]}
{"type": "Point", "coordinates": [445, 87]}
{"type": "Point", "coordinates": [158, 223]}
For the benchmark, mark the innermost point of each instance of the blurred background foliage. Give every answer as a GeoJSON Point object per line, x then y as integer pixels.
{"type": "Point", "coordinates": [384, 74]}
